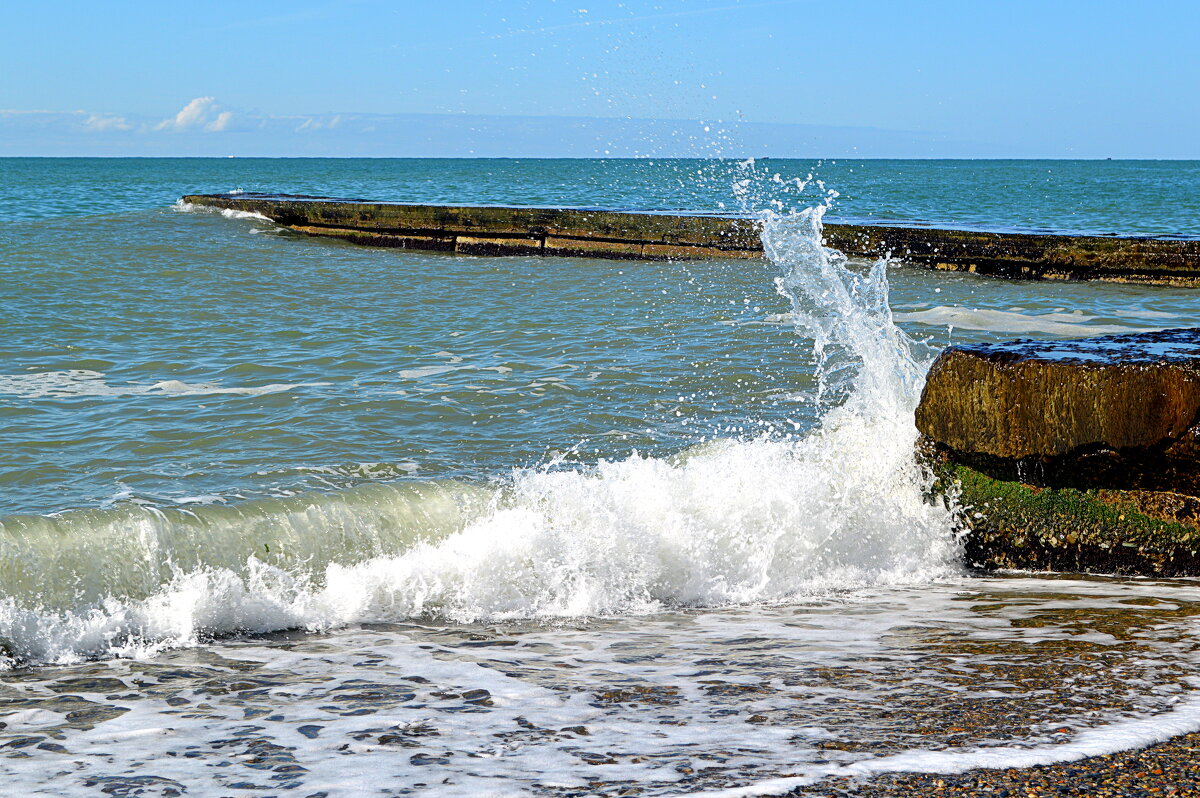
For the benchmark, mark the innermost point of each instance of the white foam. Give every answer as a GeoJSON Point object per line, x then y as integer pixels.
{"type": "Point", "coordinates": [229, 213]}
{"type": "Point", "coordinates": [75, 383]}
{"type": "Point", "coordinates": [1123, 735]}
{"type": "Point", "coordinates": [454, 363]}
{"type": "Point", "coordinates": [208, 498]}
{"type": "Point", "coordinates": [234, 213]}
{"type": "Point", "coordinates": [729, 523]}
{"type": "Point", "coordinates": [1142, 313]}
{"type": "Point", "coordinates": [749, 693]}
{"type": "Point", "coordinates": [425, 371]}
{"type": "Point", "coordinates": [179, 388]}
{"type": "Point", "coordinates": [372, 470]}
{"type": "Point", "coordinates": [1011, 322]}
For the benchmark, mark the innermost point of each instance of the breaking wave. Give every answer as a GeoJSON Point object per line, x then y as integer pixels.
{"type": "Point", "coordinates": [229, 213]}
{"type": "Point", "coordinates": [730, 522]}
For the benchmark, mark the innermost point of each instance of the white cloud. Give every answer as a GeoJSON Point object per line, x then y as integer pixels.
{"type": "Point", "coordinates": [220, 123]}
{"type": "Point", "coordinates": [200, 112]}
{"type": "Point", "coordinates": [104, 122]}
{"type": "Point", "coordinates": [320, 123]}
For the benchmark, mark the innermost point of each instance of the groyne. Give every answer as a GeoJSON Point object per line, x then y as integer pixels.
{"type": "Point", "coordinates": [1078, 455]}
{"type": "Point", "coordinates": [660, 236]}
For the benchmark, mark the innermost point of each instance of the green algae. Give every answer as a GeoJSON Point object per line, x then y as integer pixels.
{"type": "Point", "coordinates": [1014, 525]}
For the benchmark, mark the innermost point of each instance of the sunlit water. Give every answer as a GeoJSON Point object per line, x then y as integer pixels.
{"type": "Point", "coordinates": [1091, 197]}
{"type": "Point", "coordinates": [287, 514]}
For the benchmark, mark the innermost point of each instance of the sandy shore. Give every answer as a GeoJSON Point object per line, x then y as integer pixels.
{"type": "Point", "coordinates": [1170, 768]}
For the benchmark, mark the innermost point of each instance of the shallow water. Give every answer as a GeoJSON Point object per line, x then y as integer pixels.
{"type": "Point", "coordinates": [1003, 671]}
{"type": "Point", "coordinates": [281, 513]}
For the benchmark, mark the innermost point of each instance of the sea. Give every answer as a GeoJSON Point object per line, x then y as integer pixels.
{"type": "Point", "coordinates": [287, 516]}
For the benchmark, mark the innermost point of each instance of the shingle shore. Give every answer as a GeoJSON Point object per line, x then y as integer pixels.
{"type": "Point", "coordinates": [1171, 768]}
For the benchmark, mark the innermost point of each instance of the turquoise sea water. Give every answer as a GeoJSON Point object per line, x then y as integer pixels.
{"type": "Point", "coordinates": [1145, 198]}
{"type": "Point", "coordinates": [164, 357]}
{"type": "Point", "coordinates": [285, 512]}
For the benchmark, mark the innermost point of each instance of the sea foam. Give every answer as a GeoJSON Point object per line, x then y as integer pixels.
{"type": "Point", "coordinates": [1012, 322]}
{"type": "Point", "coordinates": [839, 584]}
{"type": "Point", "coordinates": [75, 383]}
{"type": "Point", "coordinates": [736, 521]}
{"type": "Point", "coordinates": [229, 213]}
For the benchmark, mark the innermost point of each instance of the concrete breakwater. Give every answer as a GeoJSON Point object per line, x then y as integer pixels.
{"type": "Point", "coordinates": [1076, 455]}
{"type": "Point", "coordinates": [659, 236]}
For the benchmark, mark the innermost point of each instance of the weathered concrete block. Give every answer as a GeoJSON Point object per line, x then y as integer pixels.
{"type": "Point", "coordinates": [683, 236]}
{"type": "Point", "coordinates": [591, 247]}
{"type": "Point", "coordinates": [377, 239]}
{"type": "Point", "coordinates": [692, 252]}
{"type": "Point", "coordinates": [494, 245]}
{"type": "Point", "coordinates": [1116, 411]}
{"type": "Point", "coordinates": [1072, 455]}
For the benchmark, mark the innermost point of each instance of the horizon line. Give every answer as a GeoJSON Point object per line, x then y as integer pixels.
{"type": "Point", "coordinates": [587, 158]}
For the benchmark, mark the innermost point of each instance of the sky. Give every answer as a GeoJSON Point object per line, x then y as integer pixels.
{"type": "Point", "coordinates": [575, 78]}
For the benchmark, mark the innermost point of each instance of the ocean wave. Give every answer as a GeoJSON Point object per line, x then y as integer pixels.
{"type": "Point", "coordinates": [735, 522]}
{"type": "Point", "coordinates": [731, 522]}
{"type": "Point", "coordinates": [229, 213]}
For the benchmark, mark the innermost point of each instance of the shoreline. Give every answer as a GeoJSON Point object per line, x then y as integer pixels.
{"type": "Point", "coordinates": [1165, 768]}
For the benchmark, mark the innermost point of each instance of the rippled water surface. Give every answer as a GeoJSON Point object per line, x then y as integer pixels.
{"type": "Point", "coordinates": [1149, 198]}
{"type": "Point", "coordinates": [282, 513]}
{"type": "Point", "coordinates": [171, 357]}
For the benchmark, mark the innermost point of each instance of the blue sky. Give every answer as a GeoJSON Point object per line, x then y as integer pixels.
{"type": "Point", "coordinates": [972, 78]}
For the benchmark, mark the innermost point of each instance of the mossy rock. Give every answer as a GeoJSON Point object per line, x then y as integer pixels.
{"type": "Point", "coordinates": [1014, 525]}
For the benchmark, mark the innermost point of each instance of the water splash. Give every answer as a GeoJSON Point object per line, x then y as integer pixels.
{"type": "Point", "coordinates": [862, 355]}
{"type": "Point", "coordinates": [731, 522]}
{"type": "Point", "coordinates": [229, 213]}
